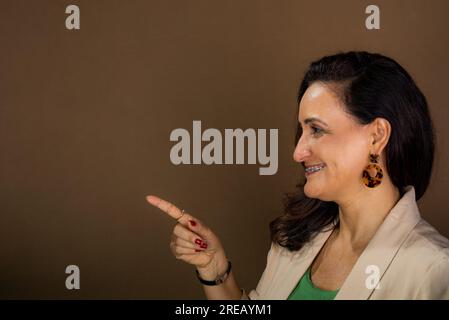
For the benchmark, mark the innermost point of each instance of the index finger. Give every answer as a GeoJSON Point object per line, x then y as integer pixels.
{"type": "Point", "coordinates": [168, 207]}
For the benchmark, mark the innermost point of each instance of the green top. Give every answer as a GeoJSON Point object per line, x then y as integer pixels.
{"type": "Point", "coordinates": [305, 290]}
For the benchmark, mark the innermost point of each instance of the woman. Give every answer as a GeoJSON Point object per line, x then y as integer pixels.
{"type": "Point", "coordinates": [353, 230]}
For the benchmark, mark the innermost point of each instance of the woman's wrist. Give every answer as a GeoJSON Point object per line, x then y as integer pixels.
{"type": "Point", "coordinates": [218, 280]}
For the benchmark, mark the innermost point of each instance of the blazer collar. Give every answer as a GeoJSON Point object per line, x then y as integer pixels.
{"type": "Point", "coordinates": [379, 252]}
{"type": "Point", "coordinates": [298, 262]}
{"type": "Point", "coordinates": [383, 247]}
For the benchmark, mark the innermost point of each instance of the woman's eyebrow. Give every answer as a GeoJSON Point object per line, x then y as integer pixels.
{"type": "Point", "coordinates": [314, 119]}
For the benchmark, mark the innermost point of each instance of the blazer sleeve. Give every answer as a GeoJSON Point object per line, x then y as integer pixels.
{"type": "Point", "coordinates": [435, 283]}
{"type": "Point", "coordinates": [257, 294]}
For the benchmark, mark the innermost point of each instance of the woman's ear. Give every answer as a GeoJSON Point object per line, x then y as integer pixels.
{"type": "Point", "coordinates": [380, 134]}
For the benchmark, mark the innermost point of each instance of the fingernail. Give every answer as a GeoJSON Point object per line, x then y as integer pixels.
{"type": "Point", "coordinates": [198, 241]}
{"type": "Point", "coordinates": [192, 223]}
{"type": "Point", "coordinates": [196, 250]}
{"type": "Point", "coordinates": [204, 245]}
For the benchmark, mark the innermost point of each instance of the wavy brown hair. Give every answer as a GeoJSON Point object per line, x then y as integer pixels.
{"type": "Point", "coordinates": [370, 86]}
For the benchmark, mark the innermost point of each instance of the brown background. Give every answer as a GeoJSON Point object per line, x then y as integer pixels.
{"type": "Point", "coordinates": [85, 119]}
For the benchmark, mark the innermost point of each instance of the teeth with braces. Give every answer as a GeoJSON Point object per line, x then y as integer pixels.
{"type": "Point", "coordinates": [314, 168]}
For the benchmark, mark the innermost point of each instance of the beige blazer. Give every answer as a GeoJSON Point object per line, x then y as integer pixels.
{"type": "Point", "coordinates": [407, 259]}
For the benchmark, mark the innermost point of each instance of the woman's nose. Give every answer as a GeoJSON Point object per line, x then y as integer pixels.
{"type": "Point", "coordinates": [302, 151]}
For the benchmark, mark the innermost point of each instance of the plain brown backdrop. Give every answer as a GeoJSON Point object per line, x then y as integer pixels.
{"type": "Point", "coordinates": [85, 119]}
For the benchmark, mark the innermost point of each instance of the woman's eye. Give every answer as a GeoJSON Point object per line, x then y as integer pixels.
{"type": "Point", "coordinates": [316, 130]}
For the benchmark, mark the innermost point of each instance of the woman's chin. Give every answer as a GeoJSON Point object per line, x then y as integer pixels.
{"type": "Point", "coordinates": [315, 192]}
{"type": "Point", "coordinates": [310, 191]}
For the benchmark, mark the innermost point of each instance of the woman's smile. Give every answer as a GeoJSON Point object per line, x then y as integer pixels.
{"type": "Point", "coordinates": [308, 174]}
{"type": "Point", "coordinates": [309, 170]}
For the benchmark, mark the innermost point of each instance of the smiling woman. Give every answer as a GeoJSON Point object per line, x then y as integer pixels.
{"type": "Point", "coordinates": [343, 138]}
{"type": "Point", "coordinates": [353, 229]}
{"type": "Point", "coordinates": [366, 140]}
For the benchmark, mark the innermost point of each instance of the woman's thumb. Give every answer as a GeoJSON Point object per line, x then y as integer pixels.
{"type": "Point", "coordinates": [196, 226]}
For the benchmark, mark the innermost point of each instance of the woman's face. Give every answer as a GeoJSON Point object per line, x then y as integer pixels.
{"type": "Point", "coordinates": [333, 139]}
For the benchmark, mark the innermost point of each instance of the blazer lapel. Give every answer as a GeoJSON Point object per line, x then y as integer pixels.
{"type": "Point", "coordinates": [382, 248]}
{"type": "Point", "coordinates": [295, 265]}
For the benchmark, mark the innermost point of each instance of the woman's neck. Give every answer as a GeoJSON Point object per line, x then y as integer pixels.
{"type": "Point", "coordinates": [361, 215]}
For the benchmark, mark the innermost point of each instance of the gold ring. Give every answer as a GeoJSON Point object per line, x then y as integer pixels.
{"type": "Point", "coordinates": [182, 213]}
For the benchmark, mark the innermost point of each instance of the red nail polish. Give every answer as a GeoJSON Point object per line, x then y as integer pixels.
{"type": "Point", "coordinates": [198, 241]}
{"type": "Point", "coordinates": [192, 223]}
{"type": "Point", "coordinates": [196, 250]}
{"type": "Point", "coordinates": [204, 245]}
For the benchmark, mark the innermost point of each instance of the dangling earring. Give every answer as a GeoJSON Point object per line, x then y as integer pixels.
{"type": "Point", "coordinates": [372, 182]}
